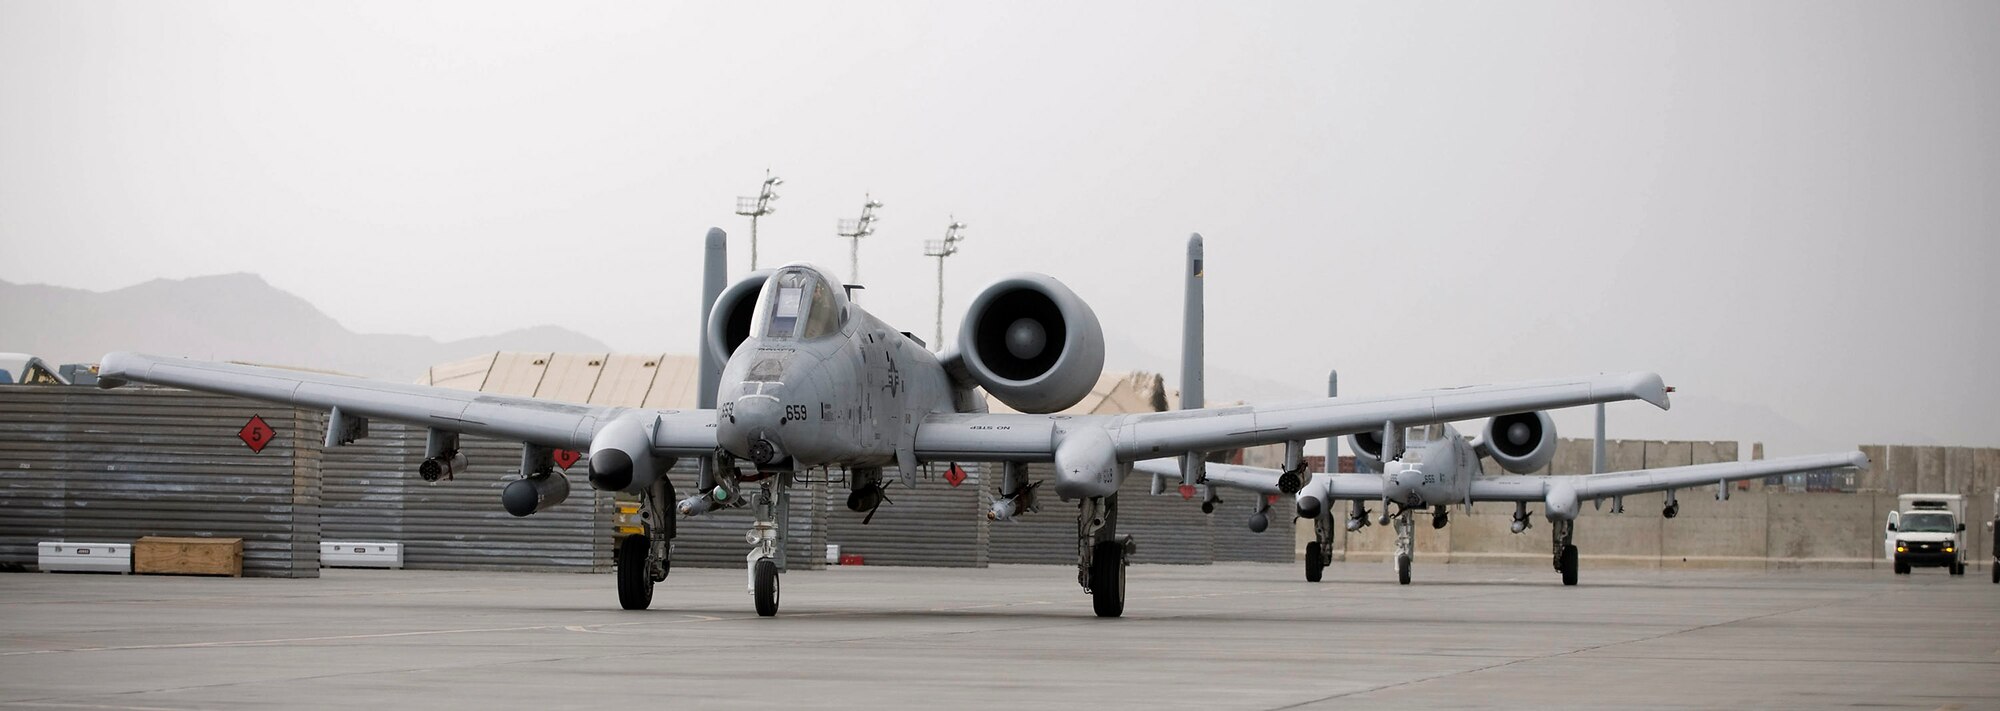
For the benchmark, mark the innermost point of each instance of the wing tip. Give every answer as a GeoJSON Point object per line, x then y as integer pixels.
{"type": "Point", "coordinates": [1649, 387]}
{"type": "Point", "coordinates": [115, 366]}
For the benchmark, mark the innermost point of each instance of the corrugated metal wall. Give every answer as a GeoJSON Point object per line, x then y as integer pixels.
{"type": "Point", "coordinates": [460, 525]}
{"type": "Point", "coordinates": [373, 493]}
{"type": "Point", "coordinates": [361, 485]}
{"type": "Point", "coordinates": [1167, 528]}
{"type": "Point", "coordinates": [935, 524]}
{"type": "Point", "coordinates": [92, 465]}
{"type": "Point", "coordinates": [1235, 542]}
{"type": "Point", "coordinates": [1046, 537]}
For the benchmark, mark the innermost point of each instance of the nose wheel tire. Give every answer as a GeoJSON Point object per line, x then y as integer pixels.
{"type": "Point", "coordinates": [635, 583]}
{"type": "Point", "coordinates": [1107, 579]}
{"type": "Point", "coordinates": [1315, 563]}
{"type": "Point", "coordinates": [1402, 570]}
{"type": "Point", "coordinates": [767, 588]}
{"type": "Point", "coordinates": [1569, 565]}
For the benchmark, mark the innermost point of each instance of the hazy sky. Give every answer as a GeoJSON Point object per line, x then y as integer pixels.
{"type": "Point", "coordinates": [1790, 205]}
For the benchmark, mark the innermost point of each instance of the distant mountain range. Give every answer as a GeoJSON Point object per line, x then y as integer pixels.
{"type": "Point", "coordinates": [233, 317]}
{"type": "Point", "coordinates": [241, 317]}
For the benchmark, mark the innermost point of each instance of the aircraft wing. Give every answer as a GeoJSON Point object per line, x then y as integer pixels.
{"type": "Point", "coordinates": [1023, 437]}
{"type": "Point", "coordinates": [1265, 481]}
{"type": "Point", "coordinates": [541, 422]}
{"type": "Point", "coordinates": [1526, 488]}
{"type": "Point", "coordinates": [1640, 481]}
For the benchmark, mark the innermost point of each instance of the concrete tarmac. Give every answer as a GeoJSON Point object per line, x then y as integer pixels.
{"type": "Point", "coordinates": [1231, 636]}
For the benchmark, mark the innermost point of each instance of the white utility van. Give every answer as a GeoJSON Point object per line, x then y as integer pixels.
{"type": "Point", "coordinates": [1926, 530]}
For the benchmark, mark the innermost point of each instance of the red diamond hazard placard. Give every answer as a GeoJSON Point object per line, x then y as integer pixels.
{"type": "Point", "coordinates": [256, 434]}
{"type": "Point", "coordinates": [565, 457]}
{"type": "Point", "coordinates": [954, 476]}
{"type": "Point", "coordinates": [1187, 492]}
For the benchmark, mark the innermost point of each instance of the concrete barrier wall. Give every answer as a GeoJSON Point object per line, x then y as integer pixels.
{"type": "Point", "coordinates": [1756, 528]}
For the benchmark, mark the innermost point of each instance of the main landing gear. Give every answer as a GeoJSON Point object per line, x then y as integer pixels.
{"type": "Point", "coordinates": [1101, 554]}
{"type": "Point", "coordinates": [645, 558]}
{"type": "Point", "coordinates": [1565, 551]}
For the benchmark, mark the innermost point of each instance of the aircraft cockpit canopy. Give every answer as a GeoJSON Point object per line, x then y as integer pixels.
{"type": "Point", "coordinates": [798, 303]}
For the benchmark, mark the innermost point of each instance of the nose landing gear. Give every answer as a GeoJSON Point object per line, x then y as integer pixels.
{"type": "Point", "coordinates": [1406, 545]}
{"type": "Point", "coordinates": [1565, 551]}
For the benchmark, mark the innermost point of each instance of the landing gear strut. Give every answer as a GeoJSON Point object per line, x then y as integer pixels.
{"type": "Point", "coordinates": [1101, 554]}
{"type": "Point", "coordinates": [646, 558]}
{"type": "Point", "coordinates": [1565, 551]}
{"type": "Point", "coordinates": [1406, 545]}
{"type": "Point", "coordinates": [767, 536]}
{"type": "Point", "coordinates": [1320, 550]}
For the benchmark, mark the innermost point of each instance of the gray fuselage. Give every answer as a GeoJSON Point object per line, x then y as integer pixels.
{"type": "Point", "coordinates": [1437, 468]}
{"type": "Point", "coordinates": [821, 382]}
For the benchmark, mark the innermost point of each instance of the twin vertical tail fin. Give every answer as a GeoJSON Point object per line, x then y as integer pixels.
{"type": "Point", "coordinates": [1193, 469]}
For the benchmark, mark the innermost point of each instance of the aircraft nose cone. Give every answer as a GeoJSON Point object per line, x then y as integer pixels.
{"type": "Point", "coordinates": [751, 429]}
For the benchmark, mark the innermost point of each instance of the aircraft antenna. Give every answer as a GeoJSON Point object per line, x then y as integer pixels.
{"type": "Point", "coordinates": [854, 230]}
{"type": "Point", "coordinates": [942, 248]}
{"type": "Point", "coordinates": [755, 207]}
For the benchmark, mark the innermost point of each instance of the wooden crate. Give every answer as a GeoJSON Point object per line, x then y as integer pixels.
{"type": "Point", "coordinates": [188, 556]}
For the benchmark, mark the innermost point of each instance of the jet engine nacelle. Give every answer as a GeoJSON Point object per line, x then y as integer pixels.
{"type": "Point", "coordinates": [1367, 448]}
{"type": "Point", "coordinates": [729, 320]}
{"type": "Point", "coordinates": [1032, 343]}
{"type": "Point", "coordinates": [621, 455]}
{"type": "Point", "coordinates": [1522, 442]}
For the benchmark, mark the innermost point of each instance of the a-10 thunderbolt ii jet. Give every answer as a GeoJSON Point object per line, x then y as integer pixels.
{"type": "Point", "coordinates": [814, 383]}
{"type": "Point", "coordinates": [1431, 466]}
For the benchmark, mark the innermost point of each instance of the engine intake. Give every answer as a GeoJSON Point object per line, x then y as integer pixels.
{"type": "Point", "coordinates": [1367, 448]}
{"type": "Point", "coordinates": [1521, 443]}
{"type": "Point", "coordinates": [1032, 343]}
{"type": "Point", "coordinates": [729, 320]}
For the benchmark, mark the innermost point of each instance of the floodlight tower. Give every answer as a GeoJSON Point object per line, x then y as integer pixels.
{"type": "Point", "coordinates": [942, 248]}
{"type": "Point", "coordinates": [755, 207]}
{"type": "Point", "coordinates": [854, 230]}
